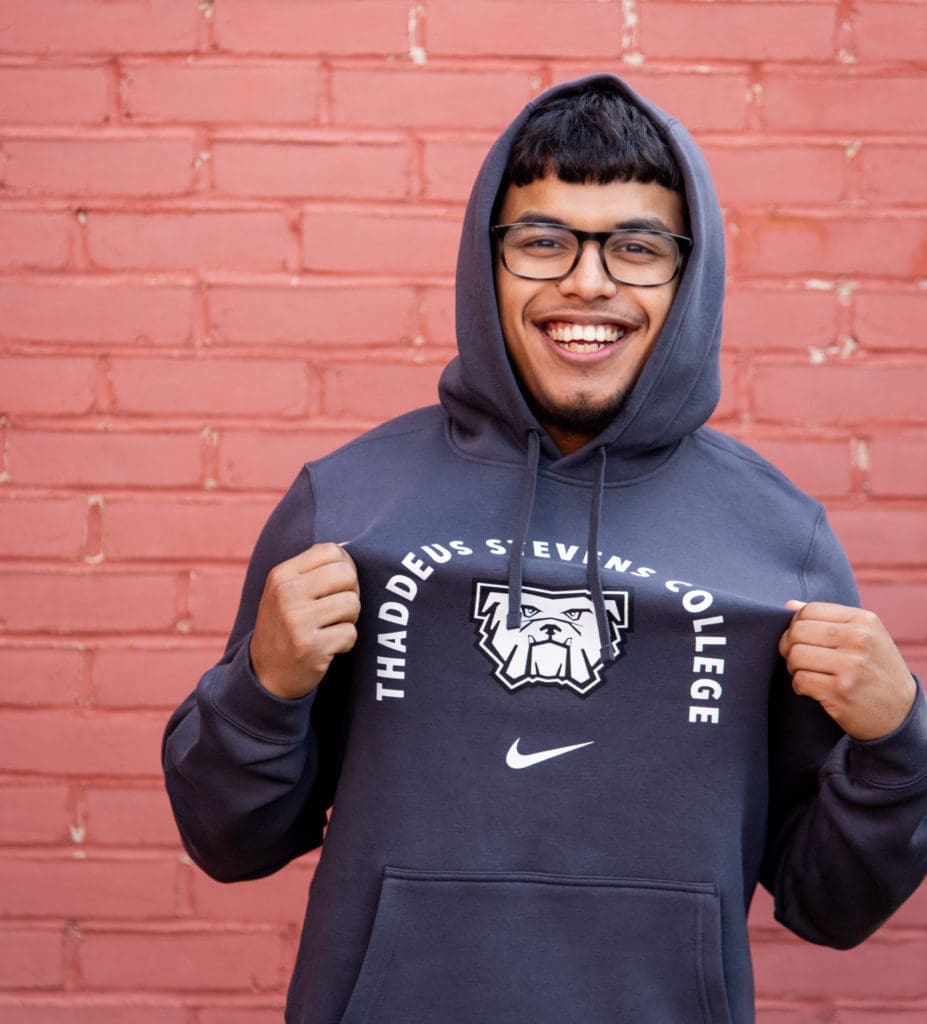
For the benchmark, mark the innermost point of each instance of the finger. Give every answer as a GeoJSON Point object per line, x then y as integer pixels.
{"type": "Point", "coordinates": [343, 606]}
{"type": "Point", "coordinates": [813, 658]}
{"type": "Point", "coordinates": [327, 553]}
{"type": "Point", "coordinates": [818, 685]}
{"type": "Point", "coordinates": [823, 611]}
{"type": "Point", "coordinates": [816, 633]}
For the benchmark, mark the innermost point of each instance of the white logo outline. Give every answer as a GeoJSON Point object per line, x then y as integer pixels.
{"type": "Point", "coordinates": [556, 644]}
{"type": "Point", "coordinates": [514, 758]}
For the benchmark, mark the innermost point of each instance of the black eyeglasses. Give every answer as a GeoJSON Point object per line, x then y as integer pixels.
{"type": "Point", "coordinates": [549, 252]}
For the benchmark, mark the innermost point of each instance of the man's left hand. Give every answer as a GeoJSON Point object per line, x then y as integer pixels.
{"type": "Point", "coordinates": [846, 660]}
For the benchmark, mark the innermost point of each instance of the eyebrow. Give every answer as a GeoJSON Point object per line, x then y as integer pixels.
{"type": "Point", "coordinates": [634, 224]}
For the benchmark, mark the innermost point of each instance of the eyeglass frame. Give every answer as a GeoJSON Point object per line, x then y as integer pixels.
{"type": "Point", "coordinates": [683, 245]}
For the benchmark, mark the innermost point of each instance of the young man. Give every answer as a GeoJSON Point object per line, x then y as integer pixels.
{"type": "Point", "coordinates": [547, 649]}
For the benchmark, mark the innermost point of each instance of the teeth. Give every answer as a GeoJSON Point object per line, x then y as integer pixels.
{"type": "Point", "coordinates": [594, 335]}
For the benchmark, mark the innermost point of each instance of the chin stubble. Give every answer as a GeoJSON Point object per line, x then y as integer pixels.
{"type": "Point", "coordinates": [580, 417]}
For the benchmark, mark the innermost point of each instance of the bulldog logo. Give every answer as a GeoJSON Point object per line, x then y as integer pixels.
{"type": "Point", "coordinates": [557, 643]}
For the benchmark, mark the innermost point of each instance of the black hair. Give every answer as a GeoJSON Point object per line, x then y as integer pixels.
{"type": "Point", "coordinates": [593, 136]}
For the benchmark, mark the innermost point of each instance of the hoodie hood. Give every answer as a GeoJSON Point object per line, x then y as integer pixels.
{"type": "Point", "coordinates": [679, 386]}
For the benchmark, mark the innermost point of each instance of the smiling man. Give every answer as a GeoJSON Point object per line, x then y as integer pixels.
{"type": "Point", "coordinates": [564, 672]}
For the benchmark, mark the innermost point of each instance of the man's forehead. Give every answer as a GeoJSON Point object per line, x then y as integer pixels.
{"type": "Point", "coordinates": [593, 206]}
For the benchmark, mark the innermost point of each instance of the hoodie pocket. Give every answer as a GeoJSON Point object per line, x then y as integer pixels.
{"type": "Point", "coordinates": [459, 948]}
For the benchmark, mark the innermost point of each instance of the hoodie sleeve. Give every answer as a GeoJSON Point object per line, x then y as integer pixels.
{"type": "Point", "coordinates": [847, 841]}
{"type": "Point", "coordinates": [247, 775]}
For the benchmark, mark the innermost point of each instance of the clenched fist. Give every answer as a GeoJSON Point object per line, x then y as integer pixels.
{"type": "Point", "coordinates": [845, 659]}
{"type": "Point", "coordinates": [306, 616]}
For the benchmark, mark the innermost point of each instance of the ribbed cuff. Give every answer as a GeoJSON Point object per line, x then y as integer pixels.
{"type": "Point", "coordinates": [236, 694]}
{"type": "Point", "coordinates": [898, 759]}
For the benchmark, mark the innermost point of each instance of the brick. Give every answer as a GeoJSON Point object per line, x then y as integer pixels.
{"type": "Point", "coordinates": [789, 244]}
{"type": "Point", "coordinates": [913, 914]}
{"type": "Point", "coordinates": [840, 395]}
{"type": "Point", "coordinates": [880, 1015]}
{"type": "Point", "coordinates": [270, 460]}
{"type": "Point", "coordinates": [33, 814]}
{"type": "Point", "coordinates": [865, 973]}
{"type": "Point", "coordinates": [766, 175]}
{"type": "Point", "coordinates": [37, 676]}
{"type": "Point", "coordinates": [278, 899]}
{"type": "Point", "coordinates": [247, 240]}
{"type": "Point", "coordinates": [362, 242]}
{"type": "Point", "coordinates": [324, 27]}
{"type": "Point", "coordinates": [765, 31]}
{"type": "Point", "coordinates": [821, 468]}
{"type": "Point", "coordinates": [898, 467]}
{"type": "Point", "coordinates": [86, 601]}
{"type": "Point", "coordinates": [762, 319]}
{"type": "Point", "coordinates": [34, 239]}
{"type": "Point", "coordinates": [889, 320]}
{"type": "Point", "coordinates": [53, 95]}
{"type": "Point", "coordinates": [86, 888]}
{"type": "Point", "coordinates": [170, 528]}
{"type": "Point", "coordinates": [104, 458]}
{"type": "Point", "coordinates": [42, 527]}
{"type": "Point", "coordinates": [895, 175]}
{"type": "Point", "coordinates": [885, 535]}
{"type": "Point", "coordinates": [176, 387]}
{"type": "Point", "coordinates": [312, 313]}
{"type": "Point", "coordinates": [87, 1009]}
{"type": "Point", "coordinates": [848, 102]}
{"type": "Point", "coordinates": [251, 1015]}
{"type": "Point", "coordinates": [86, 26]}
{"type": "Point", "coordinates": [97, 166]}
{"type": "Point", "coordinates": [521, 28]}
{"type": "Point", "coordinates": [119, 744]}
{"type": "Point", "coordinates": [214, 597]}
{"type": "Point", "coordinates": [451, 165]}
{"type": "Point", "coordinates": [316, 167]}
{"type": "Point", "coordinates": [51, 384]}
{"type": "Point", "coordinates": [796, 1013]}
{"type": "Point", "coordinates": [374, 392]}
{"type": "Point", "coordinates": [901, 608]}
{"type": "Point", "coordinates": [182, 961]}
{"type": "Point", "coordinates": [149, 677]}
{"type": "Point", "coordinates": [32, 959]}
{"type": "Point", "coordinates": [437, 309]}
{"type": "Point", "coordinates": [221, 93]}
{"type": "Point", "coordinates": [423, 97]}
{"type": "Point", "coordinates": [142, 817]}
{"type": "Point", "coordinates": [102, 311]}
{"type": "Point", "coordinates": [703, 102]}
{"type": "Point", "coordinates": [890, 31]}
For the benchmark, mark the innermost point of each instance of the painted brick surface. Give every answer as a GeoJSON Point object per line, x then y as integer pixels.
{"type": "Point", "coordinates": [188, 310]}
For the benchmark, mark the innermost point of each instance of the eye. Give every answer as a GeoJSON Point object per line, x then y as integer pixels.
{"type": "Point", "coordinates": [639, 247]}
{"type": "Point", "coordinates": [573, 614]}
{"type": "Point", "coordinates": [536, 240]}
{"type": "Point", "coordinates": [529, 611]}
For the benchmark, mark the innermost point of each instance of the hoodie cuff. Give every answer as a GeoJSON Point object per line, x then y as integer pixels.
{"type": "Point", "coordinates": [898, 759]}
{"type": "Point", "coordinates": [237, 695]}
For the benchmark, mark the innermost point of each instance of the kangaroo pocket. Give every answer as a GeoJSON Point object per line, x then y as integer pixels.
{"type": "Point", "coordinates": [457, 948]}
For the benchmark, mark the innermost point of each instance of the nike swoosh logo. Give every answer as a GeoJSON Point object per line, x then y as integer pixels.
{"type": "Point", "coordinates": [516, 759]}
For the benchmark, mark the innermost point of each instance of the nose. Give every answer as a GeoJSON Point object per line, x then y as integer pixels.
{"type": "Point", "coordinates": [588, 279]}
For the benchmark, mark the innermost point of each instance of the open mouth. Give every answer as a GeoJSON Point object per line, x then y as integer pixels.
{"type": "Point", "coordinates": [583, 337]}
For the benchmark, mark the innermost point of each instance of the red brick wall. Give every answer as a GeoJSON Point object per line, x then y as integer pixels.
{"type": "Point", "coordinates": [186, 314]}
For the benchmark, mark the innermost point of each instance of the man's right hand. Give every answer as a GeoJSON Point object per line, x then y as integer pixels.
{"type": "Point", "coordinates": [306, 616]}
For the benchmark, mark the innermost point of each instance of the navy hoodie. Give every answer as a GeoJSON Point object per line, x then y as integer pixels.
{"type": "Point", "coordinates": [564, 749]}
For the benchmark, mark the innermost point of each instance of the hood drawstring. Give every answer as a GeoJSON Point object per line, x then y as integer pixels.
{"type": "Point", "coordinates": [593, 580]}
{"type": "Point", "coordinates": [521, 529]}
